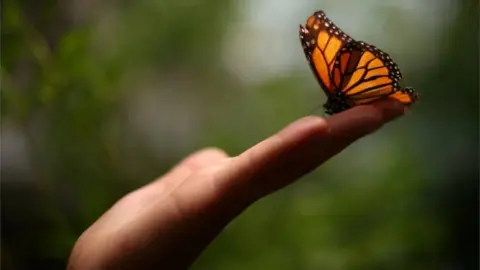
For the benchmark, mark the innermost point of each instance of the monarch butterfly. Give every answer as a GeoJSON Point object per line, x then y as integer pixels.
{"type": "Point", "coordinates": [350, 72]}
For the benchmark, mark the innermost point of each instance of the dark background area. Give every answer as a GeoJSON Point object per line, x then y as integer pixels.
{"type": "Point", "coordinates": [101, 97]}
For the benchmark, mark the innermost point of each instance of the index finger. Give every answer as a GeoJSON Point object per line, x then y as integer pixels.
{"type": "Point", "coordinates": [304, 145]}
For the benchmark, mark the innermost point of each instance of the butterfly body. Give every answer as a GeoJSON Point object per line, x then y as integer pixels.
{"type": "Point", "coordinates": [336, 103]}
{"type": "Point", "coordinates": [350, 72]}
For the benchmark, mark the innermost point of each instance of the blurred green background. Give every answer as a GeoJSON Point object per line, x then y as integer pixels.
{"type": "Point", "coordinates": [101, 97]}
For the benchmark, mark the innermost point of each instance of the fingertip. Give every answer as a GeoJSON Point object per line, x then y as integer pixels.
{"type": "Point", "coordinates": [359, 119]}
{"type": "Point", "coordinates": [390, 109]}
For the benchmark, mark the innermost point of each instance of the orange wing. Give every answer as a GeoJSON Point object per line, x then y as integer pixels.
{"type": "Point", "coordinates": [364, 73]}
{"type": "Point", "coordinates": [322, 40]}
{"type": "Point", "coordinates": [407, 96]}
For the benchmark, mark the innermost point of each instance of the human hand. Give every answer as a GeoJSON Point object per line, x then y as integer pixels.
{"type": "Point", "coordinates": [169, 222]}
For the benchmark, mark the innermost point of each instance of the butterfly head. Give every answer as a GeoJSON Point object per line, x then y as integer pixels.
{"type": "Point", "coordinates": [411, 92]}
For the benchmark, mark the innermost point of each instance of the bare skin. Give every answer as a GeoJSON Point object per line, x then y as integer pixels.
{"type": "Point", "coordinates": [169, 222]}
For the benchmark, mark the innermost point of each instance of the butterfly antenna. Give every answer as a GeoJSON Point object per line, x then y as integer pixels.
{"type": "Point", "coordinates": [314, 109]}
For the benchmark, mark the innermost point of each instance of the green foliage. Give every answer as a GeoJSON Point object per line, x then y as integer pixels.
{"type": "Point", "coordinates": [86, 98]}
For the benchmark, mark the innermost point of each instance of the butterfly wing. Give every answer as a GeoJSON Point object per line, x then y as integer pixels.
{"type": "Point", "coordinates": [365, 73]}
{"type": "Point", "coordinates": [321, 41]}
{"type": "Point", "coordinates": [406, 95]}
{"type": "Point", "coordinates": [350, 72]}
